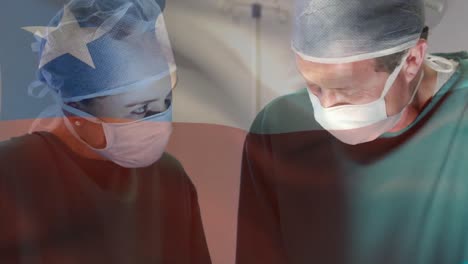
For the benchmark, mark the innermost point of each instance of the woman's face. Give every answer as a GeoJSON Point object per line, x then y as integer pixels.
{"type": "Point", "coordinates": [141, 101]}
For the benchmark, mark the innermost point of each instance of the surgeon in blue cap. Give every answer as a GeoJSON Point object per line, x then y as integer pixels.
{"type": "Point", "coordinates": [95, 185]}
{"type": "Point", "coordinates": [367, 163]}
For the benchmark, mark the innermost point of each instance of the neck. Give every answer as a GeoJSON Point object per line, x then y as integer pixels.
{"type": "Point", "coordinates": [421, 99]}
{"type": "Point", "coordinates": [74, 144]}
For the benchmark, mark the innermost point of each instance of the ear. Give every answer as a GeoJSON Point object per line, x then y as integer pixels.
{"type": "Point", "coordinates": [415, 60]}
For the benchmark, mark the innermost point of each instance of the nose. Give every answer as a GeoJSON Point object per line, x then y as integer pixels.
{"type": "Point", "coordinates": [330, 98]}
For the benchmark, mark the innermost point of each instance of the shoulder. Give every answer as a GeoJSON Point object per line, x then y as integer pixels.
{"type": "Point", "coordinates": [167, 162]}
{"type": "Point", "coordinates": [455, 90]}
{"type": "Point", "coordinates": [461, 56]}
{"type": "Point", "coordinates": [172, 172]}
{"type": "Point", "coordinates": [289, 113]}
{"type": "Point", "coordinates": [452, 99]}
{"type": "Point", "coordinates": [26, 161]}
{"type": "Point", "coordinates": [463, 70]}
{"type": "Point", "coordinates": [461, 74]}
{"type": "Point", "coordinates": [21, 149]}
{"type": "Point", "coordinates": [24, 167]}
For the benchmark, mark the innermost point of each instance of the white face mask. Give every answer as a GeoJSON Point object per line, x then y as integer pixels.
{"type": "Point", "coordinates": [356, 124]}
{"type": "Point", "coordinates": [135, 144]}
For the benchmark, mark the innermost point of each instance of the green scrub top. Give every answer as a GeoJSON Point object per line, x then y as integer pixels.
{"type": "Point", "coordinates": [403, 198]}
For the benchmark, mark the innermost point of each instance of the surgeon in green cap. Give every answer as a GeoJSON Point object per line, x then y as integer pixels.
{"type": "Point", "coordinates": [367, 164]}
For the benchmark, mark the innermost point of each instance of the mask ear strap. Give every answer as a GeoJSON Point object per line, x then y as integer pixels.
{"type": "Point", "coordinates": [77, 136]}
{"type": "Point", "coordinates": [391, 79]}
{"type": "Point", "coordinates": [416, 88]}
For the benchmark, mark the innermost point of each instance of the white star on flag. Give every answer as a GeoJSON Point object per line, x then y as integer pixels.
{"type": "Point", "coordinates": [67, 38]}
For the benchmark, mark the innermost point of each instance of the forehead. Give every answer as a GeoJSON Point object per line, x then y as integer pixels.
{"type": "Point", "coordinates": [338, 70]}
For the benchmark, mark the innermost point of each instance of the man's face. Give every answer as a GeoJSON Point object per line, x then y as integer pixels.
{"type": "Point", "coordinates": [351, 83]}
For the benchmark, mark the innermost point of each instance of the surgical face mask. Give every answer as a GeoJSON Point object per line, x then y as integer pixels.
{"type": "Point", "coordinates": [131, 145]}
{"type": "Point", "coordinates": [356, 124]}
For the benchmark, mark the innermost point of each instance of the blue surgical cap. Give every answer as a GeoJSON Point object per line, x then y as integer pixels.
{"type": "Point", "coordinates": [339, 31]}
{"type": "Point", "coordinates": [101, 47]}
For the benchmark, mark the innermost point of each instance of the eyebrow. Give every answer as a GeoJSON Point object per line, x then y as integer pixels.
{"type": "Point", "coordinates": [141, 103]}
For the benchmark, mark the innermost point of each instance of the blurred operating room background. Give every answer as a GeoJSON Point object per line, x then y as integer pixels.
{"type": "Point", "coordinates": [230, 64]}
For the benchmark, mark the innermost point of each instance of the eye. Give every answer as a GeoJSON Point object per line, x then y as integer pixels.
{"type": "Point", "coordinates": [140, 111]}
